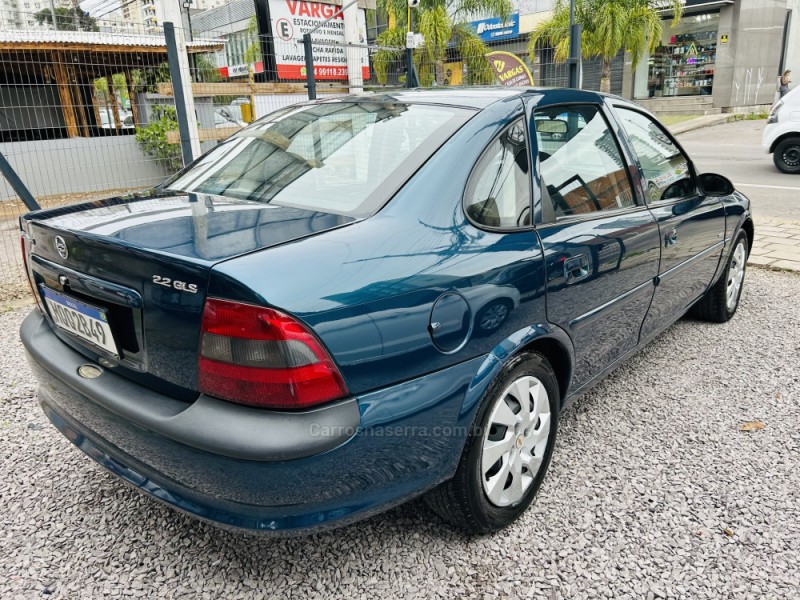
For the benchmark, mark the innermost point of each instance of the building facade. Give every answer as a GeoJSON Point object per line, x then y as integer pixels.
{"type": "Point", "coordinates": [20, 14]}
{"type": "Point", "coordinates": [728, 51]}
{"type": "Point", "coordinates": [148, 15]}
{"type": "Point", "coordinates": [723, 54]}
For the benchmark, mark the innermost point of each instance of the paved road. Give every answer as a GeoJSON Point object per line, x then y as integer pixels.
{"type": "Point", "coordinates": [734, 150]}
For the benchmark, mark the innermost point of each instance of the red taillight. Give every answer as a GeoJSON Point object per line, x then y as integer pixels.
{"type": "Point", "coordinates": [262, 357]}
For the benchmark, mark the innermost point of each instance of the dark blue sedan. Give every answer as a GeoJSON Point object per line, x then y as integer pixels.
{"type": "Point", "coordinates": [359, 300]}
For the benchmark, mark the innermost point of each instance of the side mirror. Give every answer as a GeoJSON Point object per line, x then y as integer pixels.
{"type": "Point", "coordinates": [712, 184]}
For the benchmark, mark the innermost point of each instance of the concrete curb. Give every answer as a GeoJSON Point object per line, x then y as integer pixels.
{"type": "Point", "coordinates": [776, 247]}
{"type": "Point", "coordinates": [704, 121]}
{"type": "Point", "coordinates": [772, 269]}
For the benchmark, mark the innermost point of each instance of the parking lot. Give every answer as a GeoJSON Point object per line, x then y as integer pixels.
{"type": "Point", "coordinates": [654, 492]}
{"type": "Point", "coordinates": [656, 489]}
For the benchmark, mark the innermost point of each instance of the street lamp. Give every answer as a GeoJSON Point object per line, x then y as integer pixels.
{"type": "Point", "coordinates": [187, 4]}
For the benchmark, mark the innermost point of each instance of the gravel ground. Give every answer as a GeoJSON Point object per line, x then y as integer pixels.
{"type": "Point", "coordinates": [653, 492]}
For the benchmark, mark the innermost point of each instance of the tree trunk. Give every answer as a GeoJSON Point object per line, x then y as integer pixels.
{"type": "Point", "coordinates": [605, 76]}
{"type": "Point", "coordinates": [439, 71]}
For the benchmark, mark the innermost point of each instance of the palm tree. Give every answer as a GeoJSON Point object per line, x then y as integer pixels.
{"type": "Point", "coordinates": [608, 27]}
{"type": "Point", "coordinates": [444, 24]}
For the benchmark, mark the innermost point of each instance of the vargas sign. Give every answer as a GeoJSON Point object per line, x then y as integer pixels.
{"type": "Point", "coordinates": [290, 19]}
{"type": "Point", "coordinates": [509, 69]}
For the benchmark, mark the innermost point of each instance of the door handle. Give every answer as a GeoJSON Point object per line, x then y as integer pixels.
{"type": "Point", "coordinates": [670, 237]}
{"type": "Point", "coordinates": [576, 268]}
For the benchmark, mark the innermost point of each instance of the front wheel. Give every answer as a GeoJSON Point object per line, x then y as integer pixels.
{"type": "Point", "coordinates": [721, 301]}
{"type": "Point", "coordinates": [787, 155]}
{"type": "Point", "coordinates": [507, 452]}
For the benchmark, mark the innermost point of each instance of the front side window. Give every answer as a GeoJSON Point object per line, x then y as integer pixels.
{"type": "Point", "coordinates": [343, 158]}
{"type": "Point", "coordinates": [498, 192]}
{"type": "Point", "coordinates": [581, 168]}
{"type": "Point", "coordinates": [664, 166]}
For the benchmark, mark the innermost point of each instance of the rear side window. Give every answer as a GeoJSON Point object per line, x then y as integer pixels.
{"type": "Point", "coordinates": [581, 168]}
{"type": "Point", "coordinates": [344, 158]}
{"type": "Point", "coordinates": [499, 191]}
{"type": "Point", "coordinates": [664, 166]}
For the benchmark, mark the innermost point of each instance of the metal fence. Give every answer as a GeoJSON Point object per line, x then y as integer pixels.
{"type": "Point", "coordinates": [80, 118]}
{"type": "Point", "coordinates": [86, 115]}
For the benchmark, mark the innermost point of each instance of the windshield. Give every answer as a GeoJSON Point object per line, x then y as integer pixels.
{"type": "Point", "coordinates": [346, 158]}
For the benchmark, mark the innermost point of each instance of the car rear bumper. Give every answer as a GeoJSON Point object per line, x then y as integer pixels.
{"type": "Point", "coordinates": [255, 469]}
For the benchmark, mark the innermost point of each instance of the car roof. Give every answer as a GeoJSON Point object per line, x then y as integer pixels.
{"type": "Point", "coordinates": [468, 97]}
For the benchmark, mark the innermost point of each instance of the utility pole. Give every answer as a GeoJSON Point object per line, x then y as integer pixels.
{"type": "Point", "coordinates": [181, 76]}
{"type": "Point", "coordinates": [308, 49]}
{"type": "Point", "coordinates": [53, 14]}
{"type": "Point", "coordinates": [574, 61]}
{"type": "Point", "coordinates": [187, 4]}
{"type": "Point", "coordinates": [412, 80]}
{"type": "Point", "coordinates": [354, 53]}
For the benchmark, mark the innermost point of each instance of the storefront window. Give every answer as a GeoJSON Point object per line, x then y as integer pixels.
{"type": "Point", "coordinates": [683, 65]}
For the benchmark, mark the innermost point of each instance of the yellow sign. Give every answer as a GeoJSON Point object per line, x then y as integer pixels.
{"type": "Point", "coordinates": [453, 73]}
{"type": "Point", "coordinates": [509, 69]}
{"type": "Point", "coordinates": [723, 39]}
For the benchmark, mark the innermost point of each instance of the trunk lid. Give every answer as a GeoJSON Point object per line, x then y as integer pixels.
{"type": "Point", "coordinates": [141, 265]}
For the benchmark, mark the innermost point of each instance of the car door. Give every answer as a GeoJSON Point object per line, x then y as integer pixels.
{"type": "Point", "coordinates": [600, 243]}
{"type": "Point", "coordinates": [692, 225]}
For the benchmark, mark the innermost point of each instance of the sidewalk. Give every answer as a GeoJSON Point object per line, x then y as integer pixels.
{"type": "Point", "coordinates": [777, 246]}
{"type": "Point", "coordinates": [700, 122]}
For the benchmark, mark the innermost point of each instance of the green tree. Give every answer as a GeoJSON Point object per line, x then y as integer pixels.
{"type": "Point", "coordinates": [608, 27]}
{"type": "Point", "coordinates": [120, 88]}
{"type": "Point", "coordinates": [252, 53]}
{"type": "Point", "coordinates": [147, 79]}
{"type": "Point", "coordinates": [206, 69]}
{"type": "Point", "coordinates": [444, 24]}
{"type": "Point", "coordinates": [153, 137]}
{"type": "Point", "coordinates": [68, 19]}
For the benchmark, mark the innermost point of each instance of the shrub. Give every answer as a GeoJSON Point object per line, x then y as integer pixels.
{"type": "Point", "coordinates": [153, 137]}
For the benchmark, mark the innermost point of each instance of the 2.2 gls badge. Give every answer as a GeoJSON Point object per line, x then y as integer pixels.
{"type": "Point", "coordinates": [61, 247]}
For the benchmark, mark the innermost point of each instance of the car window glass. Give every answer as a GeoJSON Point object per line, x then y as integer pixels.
{"type": "Point", "coordinates": [498, 192]}
{"type": "Point", "coordinates": [339, 157]}
{"type": "Point", "coordinates": [664, 166]}
{"type": "Point", "coordinates": [581, 168]}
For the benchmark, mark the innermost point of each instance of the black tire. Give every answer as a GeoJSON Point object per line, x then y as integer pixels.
{"type": "Point", "coordinates": [463, 501]}
{"type": "Point", "coordinates": [714, 305]}
{"type": "Point", "coordinates": [787, 155]}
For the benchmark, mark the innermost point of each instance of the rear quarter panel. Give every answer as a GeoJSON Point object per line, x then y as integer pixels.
{"type": "Point", "coordinates": [368, 289]}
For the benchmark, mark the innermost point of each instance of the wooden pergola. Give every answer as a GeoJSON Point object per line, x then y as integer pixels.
{"type": "Point", "coordinates": [72, 60]}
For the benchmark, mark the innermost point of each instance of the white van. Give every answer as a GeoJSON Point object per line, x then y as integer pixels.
{"type": "Point", "coordinates": [781, 136]}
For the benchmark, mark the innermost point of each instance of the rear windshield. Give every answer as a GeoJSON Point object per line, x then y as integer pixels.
{"type": "Point", "coordinates": [346, 158]}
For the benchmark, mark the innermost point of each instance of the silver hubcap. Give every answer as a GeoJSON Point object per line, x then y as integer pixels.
{"type": "Point", "coordinates": [494, 317]}
{"type": "Point", "coordinates": [736, 275]}
{"type": "Point", "coordinates": [515, 441]}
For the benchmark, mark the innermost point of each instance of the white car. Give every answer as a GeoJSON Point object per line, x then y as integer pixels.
{"type": "Point", "coordinates": [781, 136]}
{"type": "Point", "coordinates": [107, 118]}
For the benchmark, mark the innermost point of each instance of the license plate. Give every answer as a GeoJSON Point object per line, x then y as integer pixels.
{"type": "Point", "coordinates": [84, 321]}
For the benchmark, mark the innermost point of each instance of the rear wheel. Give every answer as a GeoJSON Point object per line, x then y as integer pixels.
{"type": "Point", "coordinates": [787, 155]}
{"type": "Point", "coordinates": [721, 301]}
{"type": "Point", "coordinates": [507, 452]}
